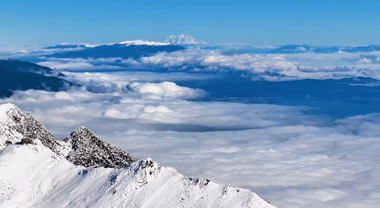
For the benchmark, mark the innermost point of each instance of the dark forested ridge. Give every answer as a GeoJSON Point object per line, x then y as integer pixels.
{"type": "Point", "coordinates": [21, 75]}
{"type": "Point", "coordinates": [118, 50]}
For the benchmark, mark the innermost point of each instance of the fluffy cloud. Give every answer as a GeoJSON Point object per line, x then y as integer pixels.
{"type": "Point", "coordinates": [124, 82]}
{"type": "Point", "coordinates": [167, 89]}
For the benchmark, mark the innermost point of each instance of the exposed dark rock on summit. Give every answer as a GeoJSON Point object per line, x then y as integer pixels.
{"type": "Point", "coordinates": [87, 149]}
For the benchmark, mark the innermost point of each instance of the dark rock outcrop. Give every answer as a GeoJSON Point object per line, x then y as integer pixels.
{"type": "Point", "coordinates": [87, 149]}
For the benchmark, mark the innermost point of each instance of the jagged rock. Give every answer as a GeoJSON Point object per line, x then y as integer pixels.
{"type": "Point", "coordinates": [81, 147]}
{"type": "Point", "coordinates": [17, 124]}
{"type": "Point", "coordinates": [87, 149]}
{"type": "Point", "coordinates": [25, 141]}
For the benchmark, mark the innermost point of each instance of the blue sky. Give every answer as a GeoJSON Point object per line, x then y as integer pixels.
{"type": "Point", "coordinates": [271, 22]}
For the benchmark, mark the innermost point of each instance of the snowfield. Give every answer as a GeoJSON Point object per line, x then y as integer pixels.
{"type": "Point", "coordinates": [39, 175]}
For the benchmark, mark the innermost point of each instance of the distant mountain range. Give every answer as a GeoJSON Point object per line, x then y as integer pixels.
{"type": "Point", "coordinates": [294, 48]}
{"type": "Point", "coordinates": [70, 46]}
{"type": "Point", "coordinates": [21, 75]}
{"type": "Point", "coordinates": [126, 49]}
{"type": "Point", "coordinates": [136, 49]}
{"type": "Point", "coordinates": [184, 40]}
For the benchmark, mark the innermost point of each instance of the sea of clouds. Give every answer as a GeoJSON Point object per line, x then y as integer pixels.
{"type": "Point", "coordinates": [286, 154]}
{"type": "Point", "coordinates": [273, 67]}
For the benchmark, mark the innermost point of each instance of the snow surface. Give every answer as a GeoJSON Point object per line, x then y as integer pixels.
{"type": "Point", "coordinates": [34, 176]}
{"type": "Point", "coordinates": [142, 42]}
{"type": "Point", "coordinates": [37, 175]}
{"type": "Point", "coordinates": [8, 131]}
{"type": "Point", "coordinates": [4, 110]}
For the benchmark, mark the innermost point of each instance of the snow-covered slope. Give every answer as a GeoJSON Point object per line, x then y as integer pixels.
{"type": "Point", "coordinates": [183, 40]}
{"type": "Point", "coordinates": [32, 175]}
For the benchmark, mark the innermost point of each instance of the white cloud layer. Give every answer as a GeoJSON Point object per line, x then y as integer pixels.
{"type": "Point", "coordinates": [289, 157]}
{"type": "Point", "coordinates": [285, 155]}
{"type": "Point", "coordinates": [267, 66]}
{"type": "Point", "coordinates": [274, 66]}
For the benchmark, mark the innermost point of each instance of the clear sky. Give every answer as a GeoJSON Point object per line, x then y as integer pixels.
{"type": "Point", "coordinates": [261, 22]}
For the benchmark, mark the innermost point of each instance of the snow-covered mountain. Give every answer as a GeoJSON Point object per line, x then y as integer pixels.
{"type": "Point", "coordinates": [184, 40]}
{"type": "Point", "coordinates": [81, 46]}
{"type": "Point", "coordinates": [81, 147]}
{"type": "Point", "coordinates": [37, 170]}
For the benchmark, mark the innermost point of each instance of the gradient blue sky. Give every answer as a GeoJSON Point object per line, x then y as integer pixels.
{"type": "Point", "coordinates": [261, 22]}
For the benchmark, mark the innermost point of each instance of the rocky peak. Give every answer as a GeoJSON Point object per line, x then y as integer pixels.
{"type": "Point", "coordinates": [87, 149]}
{"type": "Point", "coordinates": [16, 125]}
{"type": "Point", "coordinates": [81, 147]}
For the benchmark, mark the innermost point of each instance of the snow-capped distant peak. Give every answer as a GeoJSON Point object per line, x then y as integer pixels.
{"type": "Point", "coordinates": [184, 40]}
{"type": "Point", "coordinates": [142, 42]}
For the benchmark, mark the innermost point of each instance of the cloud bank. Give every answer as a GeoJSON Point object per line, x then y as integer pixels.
{"type": "Point", "coordinates": [273, 67]}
